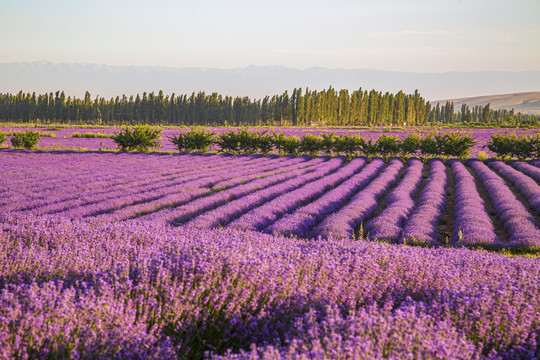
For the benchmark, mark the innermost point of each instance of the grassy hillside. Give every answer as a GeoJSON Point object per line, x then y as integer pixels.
{"type": "Point", "coordinates": [527, 102]}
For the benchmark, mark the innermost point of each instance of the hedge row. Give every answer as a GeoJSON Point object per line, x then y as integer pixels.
{"type": "Point", "coordinates": [513, 146]}
{"type": "Point", "coordinates": [243, 141]}
{"type": "Point", "coordinates": [442, 144]}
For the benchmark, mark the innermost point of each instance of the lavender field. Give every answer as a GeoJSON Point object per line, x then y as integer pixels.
{"type": "Point", "coordinates": [130, 255]}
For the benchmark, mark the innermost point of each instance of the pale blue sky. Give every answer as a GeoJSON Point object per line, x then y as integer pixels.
{"type": "Point", "coordinates": [416, 36]}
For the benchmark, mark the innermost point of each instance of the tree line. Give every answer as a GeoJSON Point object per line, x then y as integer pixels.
{"type": "Point", "coordinates": [299, 108]}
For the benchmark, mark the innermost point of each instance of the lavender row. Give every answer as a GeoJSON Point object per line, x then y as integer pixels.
{"type": "Point", "coordinates": [302, 221]}
{"type": "Point", "coordinates": [234, 209]}
{"type": "Point", "coordinates": [97, 201]}
{"type": "Point", "coordinates": [188, 173]}
{"type": "Point", "coordinates": [266, 214]}
{"type": "Point", "coordinates": [524, 184]}
{"type": "Point", "coordinates": [184, 207]}
{"type": "Point", "coordinates": [174, 200]}
{"type": "Point", "coordinates": [472, 225]}
{"type": "Point", "coordinates": [344, 222]}
{"type": "Point", "coordinates": [74, 183]}
{"type": "Point", "coordinates": [79, 289]}
{"type": "Point", "coordinates": [510, 212]}
{"type": "Point", "coordinates": [421, 227]}
{"type": "Point", "coordinates": [527, 169]}
{"type": "Point", "coordinates": [388, 225]}
{"type": "Point", "coordinates": [148, 195]}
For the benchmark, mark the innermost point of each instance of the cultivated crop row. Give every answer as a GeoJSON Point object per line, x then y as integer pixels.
{"type": "Point", "coordinates": [75, 288]}
{"type": "Point", "coordinates": [489, 204]}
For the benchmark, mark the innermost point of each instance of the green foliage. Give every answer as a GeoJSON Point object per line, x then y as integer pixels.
{"type": "Point", "coordinates": [455, 144]}
{"type": "Point", "coordinates": [502, 144]}
{"type": "Point", "coordinates": [193, 140]}
{"type": "Point", "coordinates": [285, 145]}
{"type": "Point", "coordinates": [511, 145]}
{"type": "Point", "coordinates": [278, 140]}
{"type": "Point", "coordinates": [410, 145]}
{"type": "Point", "coordinates": [482, 155]}
{"type": "Point", "coordinates": [328, 143]}
{"type": "Point", "coordinates": [27, 140]}
{"type": "Point", "coordinates": [311, 144]}
{"type": "Point", "coordinates": [429, 145]}
{"type": "Point", "coordinates": [3, 137]}
{"type": "Point", "coordinates": [247, 142]}
{"type": "Point", "coordinates": [140, 138]}
{"type": "Point", "coordinates": [348, 145]}
{"type": "Point", "coordinates": [91, 135]}
{"type": "Point", "coordinates": [228, 142]}
{"type": "Point", "coordinates": [263, 142]}
{"type": "Point", "coordinates": [369, 147]}
{"type": "Point", "coordinates": [387, 146]}
{"type": "Point", "coordinates": [291, 145]}
{"type": "Point", "coordinates": [47, 134]}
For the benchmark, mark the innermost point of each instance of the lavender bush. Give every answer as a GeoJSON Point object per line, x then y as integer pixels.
{"type": "Point", "coordinates": [421, 226]}
{"type": "Point", "coordinates": [87, 289]}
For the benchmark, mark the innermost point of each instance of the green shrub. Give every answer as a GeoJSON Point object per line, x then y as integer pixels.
{"type": "Point", "coordinates": [263, 142]}
{"type": "Point", "coordinates": [3, 137]}
{"type": "Point", "coordinates": [369, 147]}
{"type": "Point", "coordinates": [524, 147]}
{"type": "Point", "coordinates": [311, 144]}
{"type": "Point", "coordinates": [348, 145]}
{"type": "Point", "coordinates": [247, 142]}
{"type": "Point", "coordinates": [91, 135]}
{"type": "Point", "coordinates": [429, 145]}
{"type": "Point", "coordinates": [285, 145]}
{"type": "Point", "coordinates": [502, 144]}
{"type": "Point", "coordinates": [455, 144]}
{"type": "Point", "coordinates": [328, 143]}
{"type": "Point", "coordinates": [410, 145]}
{"type": "Point", "coordinates": [27, 140]}
{"type": "Point", "coordinates": [511, 145]}
{"type": "Point", "coordinates": [535, 140]}
{"type": "Point", "coordinates": [387, 146]}
{"type": "Point", "coordinates": [194, 140]}
{"type": "Point", "coordinates": [278, 141]}
{"type": "Point", "coordinates": [228, 142]}
{"type": "Point", "coordinates": [482, 156]}
{"type": "Point", "coordinates": [291, 145]}
{"type": "Point", "coordinates": [47, 134]}
{"type": "Point", "coordinates": [140, 138]}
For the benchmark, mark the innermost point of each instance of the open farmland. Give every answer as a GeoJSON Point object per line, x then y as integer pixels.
{"type": "Point", "coordinates": [266, 257]}
{"type": "Point", "coordinates": [492, 204]}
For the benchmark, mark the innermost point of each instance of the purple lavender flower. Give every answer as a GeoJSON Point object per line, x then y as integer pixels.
{"type": "Point", "coordinates": [421, 226]}
{"type": "Point", "coordinates": [388, 225]}
{"type": "Point", "coordinates": [517, 221]}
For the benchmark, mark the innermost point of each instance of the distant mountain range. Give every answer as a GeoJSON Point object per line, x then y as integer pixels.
{"type": "Point", "coordinates": [526, 103]}
{"type": "Point", "coordinates": [253, 81]}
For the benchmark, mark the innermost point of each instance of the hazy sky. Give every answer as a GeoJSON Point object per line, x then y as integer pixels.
{"type": "Point", "coordinates": [412, 35]}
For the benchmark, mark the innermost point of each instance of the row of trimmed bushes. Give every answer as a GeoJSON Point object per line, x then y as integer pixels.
{"type": "Point", "coordinates": [448, 144]}
{"type": "Point", "coordinates": [242, 141]}
{"type": "Point", "coordinates": [444, 144]}
{"type": "Point", "coordinates": [514, 146]}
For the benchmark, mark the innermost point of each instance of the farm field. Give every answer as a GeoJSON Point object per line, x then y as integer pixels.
{"type": "Point", "coordinates": [134, 255]}
{"type": "Point", "coordinates": [472, 203]}
{"type": "Point", "coordinates": [63, 136]}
